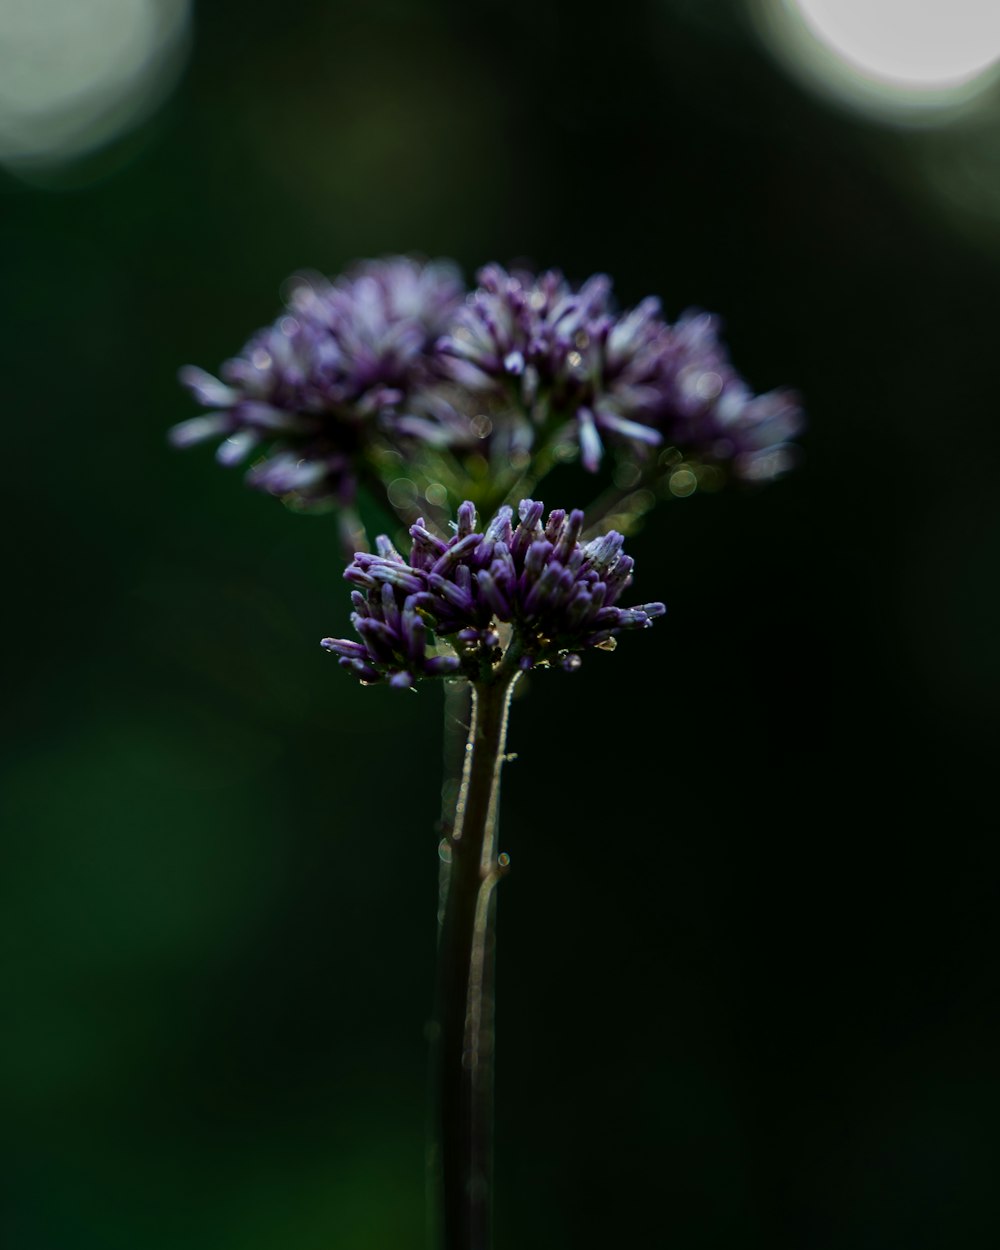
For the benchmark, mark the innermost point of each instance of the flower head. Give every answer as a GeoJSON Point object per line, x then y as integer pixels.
{"type": "Point", "coordinates": [707, 411]}
{"type": "Point", "coordinates": [567, 356]}
{"type": "Point", "coordinates": [340, 363]}
{"type": "Point", "coordinates": [534, 585]}
{"type": "Point", "coordinates": [564, 353]}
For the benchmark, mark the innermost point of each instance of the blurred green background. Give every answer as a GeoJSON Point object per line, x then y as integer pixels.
{"type": "Point", "coordinates": [747, 975]}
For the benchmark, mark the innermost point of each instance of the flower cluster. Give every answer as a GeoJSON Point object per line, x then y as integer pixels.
{"type": "Point", "coordinates": [339, 364]}
{"type": "Point", "coordinates": [555, 595]}
{"type": "Point", "coordinates": [563, 353]}
{"type": "Point", "coordinates": [570, 358]}
{"type": "Point", "coordinates": [396, 352]}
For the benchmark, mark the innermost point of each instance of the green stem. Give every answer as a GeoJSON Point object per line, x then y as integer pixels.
{"type": "Point", "coordinates": [625, 505]}
{"type": "Point", "coordinates": [464, 1033]}
{"type": "Point", "coordinates": [457, 724]}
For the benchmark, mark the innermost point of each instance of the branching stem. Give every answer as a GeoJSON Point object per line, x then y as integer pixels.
{"type": "Point", "coordinates": [464, 1016]}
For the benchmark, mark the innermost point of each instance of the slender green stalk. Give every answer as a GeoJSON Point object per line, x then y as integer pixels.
{"type": "Point", "coordinates": [457, 724]}
{"type": "Point", "coordinates": [626, 505]}
{"type": "Point", "coordinates": [464, 1016]}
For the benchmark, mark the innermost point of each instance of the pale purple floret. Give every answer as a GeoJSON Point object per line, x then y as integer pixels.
{"type": "Point", "coordinates": [557, 595]}
{"type": "Point", "coordinates": [342, 361]}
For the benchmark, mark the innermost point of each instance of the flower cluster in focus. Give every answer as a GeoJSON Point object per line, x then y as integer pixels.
{"type": "Point", "coordinates": [532, 590]}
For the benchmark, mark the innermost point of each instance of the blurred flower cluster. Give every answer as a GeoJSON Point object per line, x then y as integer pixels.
{"type": "Point", "coordinates": [342, 366]}
{"type": "Point", "coordinates": [392, 376]}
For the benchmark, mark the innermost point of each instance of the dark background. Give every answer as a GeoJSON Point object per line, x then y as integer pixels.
{"type": "Point", "coordinates": [748, 984]}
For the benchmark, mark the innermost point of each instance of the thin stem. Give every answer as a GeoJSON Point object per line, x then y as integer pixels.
{"type": "Point", "coordinates": [353, 536]}
{"type": "Point", "coordinates": [464, 1032]}
{"type": "Point", "coordinates": [457, 726]}
{"type": "Point", "coordinates": [624, 505]}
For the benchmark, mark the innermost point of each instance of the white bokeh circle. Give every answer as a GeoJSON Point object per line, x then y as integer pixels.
{"type": "Point", "coordinates": [76, 73]}
{"type": "Point", "coordinates": [908, 59]}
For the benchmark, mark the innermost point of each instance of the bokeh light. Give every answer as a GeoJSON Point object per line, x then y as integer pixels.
{"type": "Point", "coordinates": [74, 74]}
{"type": "Point", "coordinates": [904, 61]}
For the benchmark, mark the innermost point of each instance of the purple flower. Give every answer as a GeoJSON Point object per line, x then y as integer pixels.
{"type": "Point", "coordinates": [566, 357]}
{"type": "Point", "coordinates": [564, 354]}
{"type": "Point", "coordinates": [534, 587]}
{"type": "Point", "coordinates": [708, 412]}
{"type": "Point", "coordinates": [311, 390]}
{"type": "Point", "coordinates": [393, 633]}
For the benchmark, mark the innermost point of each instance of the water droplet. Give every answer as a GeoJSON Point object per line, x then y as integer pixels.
{"type": "Point", "coordinates": [682, 483]}
{"type": "Point", "coordinates": [711, 478]}
{"type": "Point", "coordinates": [503, 859]}
{"type": "Point", "coordinates": [626, 474]}
{"type": "Point", "coordinates": [708, 386]}
{"type": "Point", "coordinates": [444, 851]}
{"type": "Point", "coordinates": [402, 492]}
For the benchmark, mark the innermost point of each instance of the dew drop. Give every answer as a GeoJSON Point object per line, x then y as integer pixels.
{"type": "Point", "coordinates": [709, 385]}
{"type": "Point", "coordinates": [402, 492]}
{"type": "Point", "coordinates": [626, 474]}
{"type": "Point", "coordinates": [682, 483]}
{"type": "Point", "coordinates": [444, 851]}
